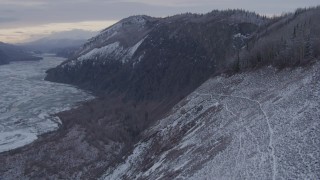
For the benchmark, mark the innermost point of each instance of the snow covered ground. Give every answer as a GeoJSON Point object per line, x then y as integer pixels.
{"type": "Point", "coordinates": [263, 124]}
{"type": "Point", "coordinates": [27, 101]}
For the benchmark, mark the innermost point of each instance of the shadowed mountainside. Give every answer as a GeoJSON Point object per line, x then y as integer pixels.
{"type": "Point", "coordinates": [9, 53]}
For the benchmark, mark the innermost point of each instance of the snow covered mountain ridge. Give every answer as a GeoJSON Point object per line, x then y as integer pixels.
{"type": "Point", "coordinates": [117, 33]}
{"type": "Point", "coordinates": [112, 41]}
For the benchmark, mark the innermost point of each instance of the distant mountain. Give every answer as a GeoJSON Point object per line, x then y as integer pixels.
{"type": "Point", "coordinates": [61, 46]}
{"type": "Point", "coordinates": [10, 53]}
{"type": "Point", "coordinates": [60, 43]}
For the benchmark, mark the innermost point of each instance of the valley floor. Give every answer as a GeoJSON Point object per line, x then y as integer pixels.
{"type": "Point", "coordinates": [27, 102]}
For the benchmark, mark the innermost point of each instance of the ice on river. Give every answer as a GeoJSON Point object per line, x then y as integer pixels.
{"type": "Point", "coordinates": [27, 102]}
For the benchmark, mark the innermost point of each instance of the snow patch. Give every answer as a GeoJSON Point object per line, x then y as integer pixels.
{"type": "Point", "coordinates": [15, 139]}
{"type": "Point", "coordinates": [102, 52]}
{"type": "Point", "coordinates": [125, 167]}
{"type": "Point", "coordinates": [110, 51]}
{"type": "Point", "coordinates": [135, 47]}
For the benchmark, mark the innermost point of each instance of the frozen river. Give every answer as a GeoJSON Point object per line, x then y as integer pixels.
{"type": "Point", "coordinates": [27, 102]}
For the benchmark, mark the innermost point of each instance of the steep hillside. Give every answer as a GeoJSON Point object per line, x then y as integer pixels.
{"type": "Point", "coordinates": [253, 125]}
{"type": "Point", "coordinates": [10, 53]}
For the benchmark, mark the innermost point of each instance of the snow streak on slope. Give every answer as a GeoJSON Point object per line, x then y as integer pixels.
{"type": "Point", "coordinates": [102, 52]}
{"type": "Point", "coordinates": [27, 101]}
{"type": "Point", "coordinates": [255, 125]}
{"type": "Point", "coordinates": [113, 51]}
{"type": "Point", "coordinates": [117, 37]}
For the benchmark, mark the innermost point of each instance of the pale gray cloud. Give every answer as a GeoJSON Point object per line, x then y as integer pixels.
{"type": "Point", "coordinates": [49, 11]}
{"type": "Point", "coordinates": [7, 19]}
{"type": "Point", "coordinates": [22, 13]}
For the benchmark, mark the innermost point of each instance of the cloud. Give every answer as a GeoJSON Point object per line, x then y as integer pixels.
{"type": "Point", "coordinates": [22, 3]}
{"type": "Point", "coordinates": [32, 12]}
{"type": "Point", "coordinates": [72, 34]}
{"type": "Point", "coordinates": [30, 33]}
{"type": "Point", "coordinates": [7, 19]}
{"type": "Point", "coordinates": [28, 13]}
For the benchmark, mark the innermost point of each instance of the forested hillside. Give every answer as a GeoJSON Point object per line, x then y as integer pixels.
{"type": "Point", "coordinates": [292, 40]}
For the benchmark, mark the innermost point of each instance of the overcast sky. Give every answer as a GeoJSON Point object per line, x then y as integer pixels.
{"type": "Point", "coordinates": [22, 20]}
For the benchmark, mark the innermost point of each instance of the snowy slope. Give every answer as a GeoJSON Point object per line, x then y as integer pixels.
{"type": "Point", "coordinates": [108, 52]}
{"type": "Point", "coordinates": [114, 49]}
{"type": "Point", "coordinates": [263, 124]}
{"type": "Point", "coordinates": [115, 42]}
